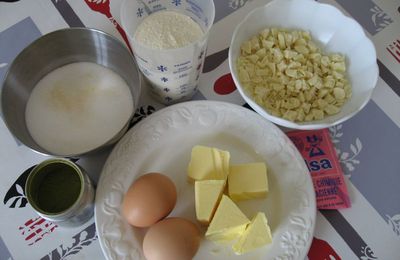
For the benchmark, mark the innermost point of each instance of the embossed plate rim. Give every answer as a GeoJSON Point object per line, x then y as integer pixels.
{"type": "Point", "coordinates": [292, 237]}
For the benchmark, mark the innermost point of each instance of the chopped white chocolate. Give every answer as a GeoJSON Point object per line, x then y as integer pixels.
{"type": "Point", "coordinates": [288, 75]}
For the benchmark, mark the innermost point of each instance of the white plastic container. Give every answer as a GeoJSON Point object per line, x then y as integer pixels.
{"type": "Point", "coordinates": [173, 73]}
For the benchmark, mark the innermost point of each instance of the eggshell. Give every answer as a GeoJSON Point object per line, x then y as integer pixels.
{"type": "Point", "coordinates": [150, 198]}
{"type": "Point", "coordinates": [172, 239]}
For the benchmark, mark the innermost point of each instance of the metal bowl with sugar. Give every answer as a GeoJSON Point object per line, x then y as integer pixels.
{"type": "Point", "coordinates": [51, 52]}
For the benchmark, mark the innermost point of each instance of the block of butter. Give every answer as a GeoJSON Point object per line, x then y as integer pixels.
{"type": "Point", "coordinates": [208, 163]}
{"type": "Point", "coordinates": [207, 193]}
{"type": "Point", "coordinates": [257, 234]}
{"type": "Point", "coordinates": [228, 223]}
{"type": "Point", "coordinates": [248, 181]}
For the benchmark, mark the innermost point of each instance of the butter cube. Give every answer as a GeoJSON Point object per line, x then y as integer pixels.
{"type": "Point", "coordinates": [208, 163]}
{"type": "Point", "coordinates": [207, 196]}
{"type": "Point", "coordinates": [228, 223]}
{"type": "Point", "coordinates": [248, 181]}
{"type": "Point", "coordinates": [257, 234]}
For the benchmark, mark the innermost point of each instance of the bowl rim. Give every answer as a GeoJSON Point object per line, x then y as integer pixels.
{"type": "Point", "coordinates": [110, 140]}
{"type": "Point", "coordinates": [311, 125]}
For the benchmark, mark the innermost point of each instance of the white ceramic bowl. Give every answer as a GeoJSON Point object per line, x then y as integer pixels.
{"type": "Point", "coordinates": [334, 32]}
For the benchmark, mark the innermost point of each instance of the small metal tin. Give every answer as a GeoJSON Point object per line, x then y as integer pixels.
{"type": "Point", "coordinates": [80, 209]}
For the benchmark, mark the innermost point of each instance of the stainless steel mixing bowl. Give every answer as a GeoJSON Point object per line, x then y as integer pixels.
{"type": "Point", "coordinates": [54, 50]}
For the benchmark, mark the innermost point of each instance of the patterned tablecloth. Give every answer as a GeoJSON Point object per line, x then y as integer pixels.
{"type": "Point", "coordinates": [367, 145]}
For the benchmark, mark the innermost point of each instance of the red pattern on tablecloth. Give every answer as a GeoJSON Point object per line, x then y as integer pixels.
{"type": "Point", "coordinates": [35, 229]}
{"type": "Point", "coordinates": [394, 50]}
{"type": "Point", "coordinates": [320, 249]}
{"type": "Point", "coordinates": [224, 85]}
{"type": "Point", "coordinates": [103, 7]}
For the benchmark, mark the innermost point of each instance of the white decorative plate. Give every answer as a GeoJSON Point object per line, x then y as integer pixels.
{"type": "Point", "coordinates": [163, 142]}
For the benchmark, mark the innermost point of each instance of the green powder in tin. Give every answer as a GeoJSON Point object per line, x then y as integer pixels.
{"type": "Point", "coordinates": [58, 190]}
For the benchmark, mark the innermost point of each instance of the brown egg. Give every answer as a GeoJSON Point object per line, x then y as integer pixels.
{"type": "Point", "coordinates": [171, 239]}
{"type": "Point", "coordinates": [150, 198]}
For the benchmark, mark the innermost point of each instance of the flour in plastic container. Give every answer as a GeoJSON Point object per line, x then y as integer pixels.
{"type": "Point", "coordinates": [168, 30]}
